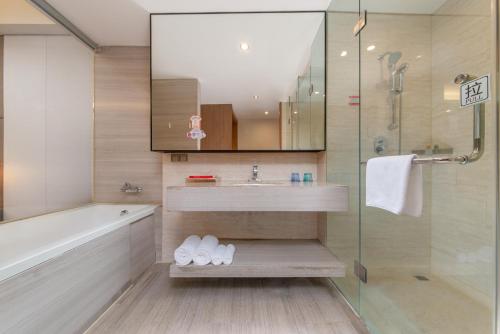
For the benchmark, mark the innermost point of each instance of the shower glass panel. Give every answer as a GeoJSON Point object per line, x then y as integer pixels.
{"type": "Point", "coordinates": [436, 273]}
{"type": "Point", "coordinates": [317, 91]}
{"type": "Point", "coordinates": [342, 156]}
{"type": "Point", "coordinates": [303, 124]}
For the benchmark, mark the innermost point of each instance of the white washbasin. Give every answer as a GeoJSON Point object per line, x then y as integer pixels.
{"type": "Point", "coordinates": [258, 184]}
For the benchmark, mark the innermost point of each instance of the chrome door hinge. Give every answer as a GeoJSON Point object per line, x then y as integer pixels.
{"type": "Point", "coordinates": [360, 272]}
{"type": "Point", "coordinates": [360, 24]}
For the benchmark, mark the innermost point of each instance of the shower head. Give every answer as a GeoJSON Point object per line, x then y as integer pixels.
{"type": "Point", "coordinates": [382, 56]}
{"type": "Point", "coordinates": [394, 57]}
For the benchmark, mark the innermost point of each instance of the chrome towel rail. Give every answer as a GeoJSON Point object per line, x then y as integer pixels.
{"type": "Point", "coordinates": [463, 159]}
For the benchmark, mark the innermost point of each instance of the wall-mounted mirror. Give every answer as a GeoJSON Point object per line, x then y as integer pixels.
{"type": "Point", "coordinates": [238, 82]}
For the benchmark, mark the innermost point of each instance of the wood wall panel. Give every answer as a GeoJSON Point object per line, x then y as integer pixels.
{"type": "Point", "coordinates": [122, 127]}
{"type": "Point", "coordinates": [174, 102]}
{"type": "Point", "coordinates": [217, 122]}
{"type": "Point", "coordinates": [142, 250]}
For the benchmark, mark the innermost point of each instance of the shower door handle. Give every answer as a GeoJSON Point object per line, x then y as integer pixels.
{"type": "Point", "coordinates": [478, 125]}
{"type": "Point", "coordinates": [478, 143]}
{"type": "Point", "coordinates": [477, 134]}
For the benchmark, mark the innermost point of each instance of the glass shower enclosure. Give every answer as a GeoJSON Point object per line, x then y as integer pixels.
{"type": "Point", "coordinates": [393, 89]}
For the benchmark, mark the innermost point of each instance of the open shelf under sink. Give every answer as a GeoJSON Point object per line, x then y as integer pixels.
{"type": "Point", "coordinates": [270, 258]}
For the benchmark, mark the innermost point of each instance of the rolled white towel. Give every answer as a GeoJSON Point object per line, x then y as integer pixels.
{"type": "Point", "coordinates": [206, 249]}
{"type": "Point", "coordinates": [229, 254]}
{"type": "Point", "coordinates": [218, 255]}
{"type": "Point", "coordinates": [184, 254]}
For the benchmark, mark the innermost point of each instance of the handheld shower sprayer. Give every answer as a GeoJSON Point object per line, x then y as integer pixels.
{"type": "Point", "coordinates": [398, 78]}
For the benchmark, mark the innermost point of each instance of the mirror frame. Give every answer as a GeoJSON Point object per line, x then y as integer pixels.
{"type": "Point", "coordinates": [325, 20]}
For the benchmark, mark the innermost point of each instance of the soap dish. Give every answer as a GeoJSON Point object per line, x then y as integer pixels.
{"type": "Point", "coordinates": [201, 179]}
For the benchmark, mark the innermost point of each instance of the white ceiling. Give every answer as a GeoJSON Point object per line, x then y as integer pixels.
{"type": "Point", "coordinates": [108, 22]}
{"type": "Point", "coordinates": [207, 48]}
{"type": "Point", "coordinates": [197, 6]}
{"type": "Point", "coordinates": [126, 22]}
{"type": "Point", "coordinates": [389, 6]}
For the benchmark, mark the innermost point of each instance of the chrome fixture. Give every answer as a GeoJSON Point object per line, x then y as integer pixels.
{"type": "Point", "coordinates": [379, 145]}
{"type": "Point", "coordinates": [393, 59]}
{"type": "Point", "coordinates": [397, 91]}
{"type": "Point", "coordinates": [398, 78]}
{"type": "Point", "coordinates": [478, 135]}
{"type": "Point", "coordinates": [396, 84]}
{"type": "Point", "coordinates": [463, 78]}
{"type": "Point", "coordinates": [130, 189]}
{"type": "Point", "coordinates": [124, 212]}
{"type": "Point", "coordinates": [255, 174]}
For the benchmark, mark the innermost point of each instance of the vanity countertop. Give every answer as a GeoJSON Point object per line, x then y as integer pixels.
{"type": "Point", "coordinates": [261, 184]}
{"type": "Point", "coordinates": [264, 196]}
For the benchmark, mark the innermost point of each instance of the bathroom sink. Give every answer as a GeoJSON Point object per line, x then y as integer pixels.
{"type": "Point", "coordinates": [258, 184]}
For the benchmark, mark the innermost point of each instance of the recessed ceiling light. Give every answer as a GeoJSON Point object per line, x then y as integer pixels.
{"type": "Point", "coordinates": [316, 92]}
{"type": "Point", "coordinates": [295, 112]}
{"type": "Point", "coordinates": [343, 53]}
{"type": "Point", "coordinates": [370, 48]}
{"type": "Point", "coordinates": [448, 110]}
{"type": "Point", "coordinates": [244, 46]}
{"type": "Point", "coordinates": [256, 97]}
{"type": "Point", "coordinates": [266, 112]}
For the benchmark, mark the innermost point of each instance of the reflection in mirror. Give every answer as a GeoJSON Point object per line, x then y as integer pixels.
{"type": "Point", "coordinates": [45, 114]}
{"type": "Point", "coordinates": [258, 85]}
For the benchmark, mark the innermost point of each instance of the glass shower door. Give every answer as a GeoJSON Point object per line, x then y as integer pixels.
{"type": "Point", "coordinates": [436, 273]}
{"type": "Point", "coordinates": [342, 156]}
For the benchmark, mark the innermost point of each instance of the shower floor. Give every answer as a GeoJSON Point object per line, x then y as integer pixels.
{"type": "Point", "coordinates": [160, 304]}
{"type": "Point", "coordinates": [403, 304]}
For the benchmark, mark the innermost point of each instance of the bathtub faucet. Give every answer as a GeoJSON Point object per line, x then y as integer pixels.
{"type": "Point", "coordinates": [128, 188]}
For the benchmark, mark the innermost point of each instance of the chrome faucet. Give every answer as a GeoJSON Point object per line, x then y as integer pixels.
{"type": "Point", "coordinates": [128, 188]}
{"type": "Point", "coordinates": [255, 173]}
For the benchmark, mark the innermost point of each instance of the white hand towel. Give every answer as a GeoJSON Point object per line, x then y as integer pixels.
{"type": "Point", "coordinates": [183, 255]}
{"type": "Point", "coordinates": [206, 249]}
{"type": "Point", "coordinates": [218, 256]}
{"type": "Point", "coordinates": [395, 184]}
{"type": "Point", "coordinates": [229, 254]}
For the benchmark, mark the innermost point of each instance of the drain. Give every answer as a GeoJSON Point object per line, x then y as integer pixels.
{"type": "Point", "coordinates": [421, 278]}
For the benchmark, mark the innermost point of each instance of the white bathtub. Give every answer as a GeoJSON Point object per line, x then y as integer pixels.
{"type": "Point", "coordinates": [29, 242]}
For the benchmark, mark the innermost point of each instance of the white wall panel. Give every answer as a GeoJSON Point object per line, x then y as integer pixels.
{"type": "Point", "coordinates": [48, 124]}
{"type": "Point", "coordinates": [69, 123]}
{"type": "Point", "coordinates": [24, 100]}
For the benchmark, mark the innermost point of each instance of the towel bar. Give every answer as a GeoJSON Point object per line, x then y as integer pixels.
{"type": "Point", "coordinates": [462, 159]}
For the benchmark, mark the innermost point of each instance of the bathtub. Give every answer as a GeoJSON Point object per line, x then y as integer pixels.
{"type": "Point", "coordinates": [27, 243]}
